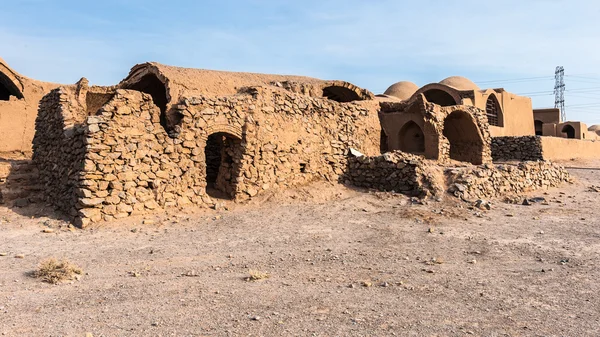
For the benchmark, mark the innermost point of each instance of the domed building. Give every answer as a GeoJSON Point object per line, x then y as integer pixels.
{"type": "Point", "coordinates": [459, 83]}
{"type": "Point", "coordinates": [402, 90]}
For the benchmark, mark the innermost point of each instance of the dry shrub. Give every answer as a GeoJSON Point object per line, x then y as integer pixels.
{"type": "Point", "coordinates": [53, 271]}
{"type": "Point", "coordinates": [256, 275]}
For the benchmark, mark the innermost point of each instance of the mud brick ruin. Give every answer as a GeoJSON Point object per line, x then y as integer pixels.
{"type": "Point", "coordinates": [169, 137]}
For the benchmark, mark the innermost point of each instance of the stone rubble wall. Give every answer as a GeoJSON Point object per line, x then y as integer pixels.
{"type": "Point", "coordinates": [412, 175]}
{"type": "Point", "coordinates": [489, 181]}
{"type": "Point", "coordinates": [393, 171]}
{"type": "Point", "coordinates": [525, 148]}
{"type": "Point", "coordinates": [59, 149]}
{"type": "Point", "coordinates": [288, 139]}
{"type": "Point", "coordinates": [124, 163]}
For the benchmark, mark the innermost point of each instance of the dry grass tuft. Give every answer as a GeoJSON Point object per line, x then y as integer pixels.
{"type": "Point", "coordinates": [256, 275]}
{"type": "Point", "coordinates": [53, 271]}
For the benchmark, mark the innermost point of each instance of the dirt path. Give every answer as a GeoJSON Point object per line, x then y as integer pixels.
{"type": "Point", "coordinates": [341, 263]}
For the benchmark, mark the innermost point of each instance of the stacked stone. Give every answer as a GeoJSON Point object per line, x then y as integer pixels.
{"type": "Point", "coordinates": [393, 171]}
{"type": "Point", "coordinates": [59, 149]}
{"type": "Point", "coordinates": [525, 148]}
{"type": "Point", "coordinates": [121, 161]}
{"type": "Point", "coordinates": [126, 166]}
{"type": "Point", "coordinates": [288, 139]}
{"type": "Point", "coordinates": [490, 181]}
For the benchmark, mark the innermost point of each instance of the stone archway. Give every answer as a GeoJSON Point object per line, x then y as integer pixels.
{"type": "Point", "coordinates": [569, 130]}
{"type": "Point", "coordinates": [411, 138]}
{"type": "Point", "coordinates": [222, 154]}
{"type": "Point", "coordinates": [466, 142]}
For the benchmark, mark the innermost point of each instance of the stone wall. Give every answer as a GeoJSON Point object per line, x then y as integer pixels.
{"type": "Point", "coordinates": [287, 139]}
{"type": "Point", "coordinates": [488, 181]}
{"type": "Point", "coordinates": [415, 176]}
{"type": "Point", "coordinates": [393, 171]}
{"type": "Point", "coordinates": [526, 148]}
{"type": "Point", "coordinates": [127, 164]}
{"type": "Point", "coordinates": [59, 149]}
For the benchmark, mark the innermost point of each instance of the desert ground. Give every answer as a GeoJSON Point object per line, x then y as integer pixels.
{"type": "Point", "coordinates": [328, 261]}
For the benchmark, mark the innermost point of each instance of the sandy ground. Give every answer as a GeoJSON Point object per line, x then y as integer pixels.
{"type": "Point", "coordinates": [341, 263]}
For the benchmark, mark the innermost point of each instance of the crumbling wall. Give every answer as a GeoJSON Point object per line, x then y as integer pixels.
{"type": "Point", "coordinates": [59, 148]}
{"type": "Point", "coordinates": [127, 164]}
{"type": "Point", "coordinates": [526, 148]}
{"type": "Point", "coordinates": [488, 181]}
{"type": "Point", "coordinates": [288, 139]}
{"type": "Point", "coordinates": [394, 171]}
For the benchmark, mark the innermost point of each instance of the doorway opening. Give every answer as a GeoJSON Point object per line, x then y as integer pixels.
{"type": "Point", "coordinates": [222, 153]}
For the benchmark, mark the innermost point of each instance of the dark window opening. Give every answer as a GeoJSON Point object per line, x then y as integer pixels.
{"type": "Point", "coordinates": [493, 111]}
{"type": "Point", "coordinates": [412, 139]}
{"type": "Point", "coordinates": [340, 94]}
{"type": "Point", "coordinates": [8, 88]}
{"type": "Point", "coordinates": [302, 167]}
{"type": "Point", "coordinates": [463, 135]}
{"type": "Point", "coordinates": [222, 156]}
{"type": "Point", "coordinates": [569, 130]}
{"type": "Point", "coordinates": [539, 126]}
{"type": "Point", "coordinates": [439, 97]}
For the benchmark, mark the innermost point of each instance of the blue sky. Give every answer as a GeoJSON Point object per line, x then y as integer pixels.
{"type": "Point", "coordinates": [370, 43]}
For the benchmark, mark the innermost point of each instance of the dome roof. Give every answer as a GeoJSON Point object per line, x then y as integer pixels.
{"type": "Point", "coordinates": [594, 128]}
{"type": "Point", "coordinates": [402, 90]}
{"type": "Point", "coordinates": [460, 83]}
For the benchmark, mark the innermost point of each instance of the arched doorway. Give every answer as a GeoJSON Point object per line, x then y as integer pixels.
{"type": "Point", "coordinates": [493, 111]}
{"type": "Point", "coordinates": [539, 128]}
{"type": "Point", "coordinates": [439, 97]}
{"type": "Point", "coordinates": [466, 143]}
{"type": "Point", "coordinates": [569, 130]}
{"type": "Point", "coordinates": [412, 139]}
{"type": "Point", "coordinates": [222, 155]}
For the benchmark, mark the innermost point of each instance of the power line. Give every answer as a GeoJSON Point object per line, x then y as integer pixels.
{"type": "Point", "coordinates": [523, 79]}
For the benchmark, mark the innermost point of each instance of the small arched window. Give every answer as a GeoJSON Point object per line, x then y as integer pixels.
{"type": "Point", "coordinates": [493, 111]}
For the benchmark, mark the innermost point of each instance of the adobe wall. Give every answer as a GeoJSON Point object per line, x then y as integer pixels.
{"type": "Point", "coordinates": [551, 115]}
{"type": "Point", "coordinates": [526, 148]}
{"type": "Point", "coordinates": [518, 116]}
{"type": "Point", "coordinates": [555, 148]}
{"type": "Point", "coordinates": [18, 113]}
{"type": "Point", "coordinates": [131, 166]}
